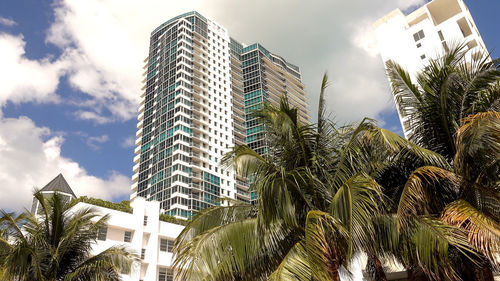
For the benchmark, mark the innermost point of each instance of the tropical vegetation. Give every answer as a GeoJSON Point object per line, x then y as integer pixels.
{"type": "Point", "coordinates": [55, 244]}
{"type": "Point", "coordinates": [453, 109]}
{"type": "Point", "coordinates": [329, 193]}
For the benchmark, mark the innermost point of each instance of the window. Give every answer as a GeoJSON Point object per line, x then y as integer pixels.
{"type": "Point", "coordinates": [419, 45]}
{"type": "Point", "coordinates": [102, 233]}
{"type": "Point", "coordinates": [143, 254]}
{"type": "Point", "coordinates": [165, 274]}
{"type": "Point", "coordinates": [166, 245]}
{"type": "Point", "coordinates": [422, 56]}
{"type": "Point", "coordinates": [441, 35]}
{"type": "Point", "coordinates": [127, 237]}
{"type": "Point", "coordinates": [145, 220]}
{"type": "Point", "coordinates": [419, 35]}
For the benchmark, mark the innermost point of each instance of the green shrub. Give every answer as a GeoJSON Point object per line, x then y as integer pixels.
{"type": "Point", "coordinates": [170, 219]}
{"type": "Point", "coordinates": [123, 206]}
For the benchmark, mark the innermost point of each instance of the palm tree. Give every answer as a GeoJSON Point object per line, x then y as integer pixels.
{"type": "Point", "coordinates": [445, 109]}
{"type": "Point", "coordinates": [450, 89]}
{"type": "Point", "coordinates": [317, 205]}
{"type": "Point", "coordinates": [466, 196]}
{"type": "Point", "coordinates": [57, 244]}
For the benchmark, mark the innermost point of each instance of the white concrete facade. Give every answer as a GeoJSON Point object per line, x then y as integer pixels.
{"type": "Point", "coordinates": [142, 233]}
{"type": "Point", "coordinates": [411, 40]}
{"type": "Point", "coordinates": [186, 117]}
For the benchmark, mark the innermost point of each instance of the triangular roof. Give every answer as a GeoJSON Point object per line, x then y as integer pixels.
{"type": "Point", "coordinates": [60, 184]}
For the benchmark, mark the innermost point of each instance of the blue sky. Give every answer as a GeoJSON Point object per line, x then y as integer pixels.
{"type": "Point", "coordinates": [73, 84]}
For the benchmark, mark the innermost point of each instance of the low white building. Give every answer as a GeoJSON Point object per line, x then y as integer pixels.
{"type": "Point", "coordinates": [143, 233]}
{"type": "Point", "coordinates": [139, 228]}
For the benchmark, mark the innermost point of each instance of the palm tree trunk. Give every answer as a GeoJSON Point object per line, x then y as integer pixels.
{"type": "Point", "coordinates": [376, 268]}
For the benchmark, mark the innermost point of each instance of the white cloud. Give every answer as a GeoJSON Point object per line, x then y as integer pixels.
{"type": "Point", "coordinates": [105, 42]}
{"type": "Point", "coordinates": [7, 22]}
{"type": "Point", "coordinates": [128, 142]}
{"type": "Point", "coordinates": [93, 142]}
{"type": "Point", "coordinates": [31, 157]}
{"type": "Point", "coordinates": [24, 79]}
{"type": "Point", "coordinates": [92, 116]}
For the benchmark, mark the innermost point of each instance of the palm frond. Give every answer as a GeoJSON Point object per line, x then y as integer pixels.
{"type": "Point", "coordinates": [232, 251]}
{"type": "Point", "coordinates": [295, 266]}
{"type": "Point", "coordinates": [478, 147]}
{"type": "Point", "coordinates": [325, 250]}
{"type": "Point", "coordinates": [483, 231]}
{"type": "Point", "coordinates": [420, 193]}
{"type": "Point", "coordinates": [430, 241]}
{"type": "Point", "coordinates": [355, 204]}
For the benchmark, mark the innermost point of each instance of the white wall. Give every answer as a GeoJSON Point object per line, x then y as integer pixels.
{"type": "Point", "coordinates": [147, 237]}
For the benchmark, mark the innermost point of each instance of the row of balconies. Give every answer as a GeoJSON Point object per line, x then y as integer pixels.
{"type": "Point", "coordinates": [239, 140]}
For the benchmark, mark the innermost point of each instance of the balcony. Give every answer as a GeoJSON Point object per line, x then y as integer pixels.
{"type": "Point", "coordinates": [195, 185]}
{"type": "Point", "coordinates": [239, 140]}
{"type": "Point", "coordinates": [197, 101]}
{"type": "Point", "coordinates": [239, 125]}
{"type": "Point", "coordinates": [195, 155]}
{"type": "Point", "coordinates": [198, 95]}
{"type": "Point", "coordinates": [238, 103]}
{"type": "Point", "coordinates": [238, 132]}
{"type": "Point", "coordinates": [199, 110]}
{"type": "Point", "coordinates": [239, 110]}
{"type": "Point", "coordinates": [196, 177]}
{"type": "Point", "coordinates": [195, 147]}
{"type": "Point", "coordinates": [197, 119]}
{"type": "Point", "coordinates": [200, 86]}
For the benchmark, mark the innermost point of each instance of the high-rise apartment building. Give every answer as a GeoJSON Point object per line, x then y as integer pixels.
{"type": "Point", "coordinates": [426, 33]}
{"type": "Point", "coordinates": [200, 87]}
{"type": "Point", "coordinates": [266, 78]}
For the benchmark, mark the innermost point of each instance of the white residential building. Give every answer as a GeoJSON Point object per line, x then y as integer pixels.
{"type": "Point", "coordinates": [411, 40]}
{"type": "Point", "coordinates": [185, 118]}
{"type": "Point", "coordinates": [200, 89]}
{"type": "Point", "coordinates": [144, 234]}
{"type": "Point", "coordinates": [139, 228]}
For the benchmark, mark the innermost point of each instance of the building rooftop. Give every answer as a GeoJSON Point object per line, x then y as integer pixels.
{"type": "Point", "coordinates": [60, 184]}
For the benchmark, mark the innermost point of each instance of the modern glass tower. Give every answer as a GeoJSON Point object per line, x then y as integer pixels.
{"type": "Point", "coordinates": [199, 90]}
{"type": "Point", "coordinates": [266, 78]}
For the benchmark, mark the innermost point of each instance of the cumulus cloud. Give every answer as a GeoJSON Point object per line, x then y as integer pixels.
{"type": "Point", "coordinates": [7, 22]}
{"type": "Point", "coordinates": [92, 116]}
{"type": "Point", "coordinates": [93, 142]}
{"type": "Point", "coordinates": [24, 79]}
{"type": "Point", "coordinates": [128, 142]}
{"type": "Point", "coordinates": [106, 42]}
{"type": "Point", "coordinates": [31, 157]}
